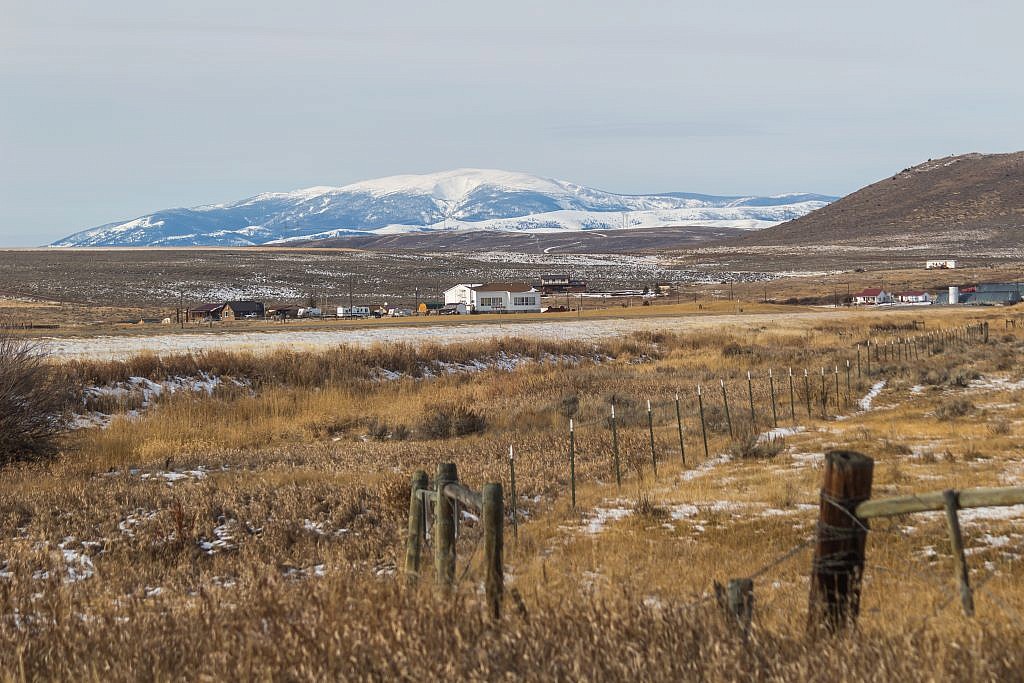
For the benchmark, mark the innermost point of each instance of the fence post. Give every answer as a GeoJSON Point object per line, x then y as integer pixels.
{"type": "Point", "coordinates": [444, 525]}
{"type": "Point", "coordinates": [416, 515]}
{"type": "Point", "coordinates": [679, 426]}
{"type": "Point", "coordinates": [512, 491]}
{"type": "Point", "coordinates": [492, 514]}
{"type": "Point", "coordinates": [650, 431]}
{"type": "Point", "coordinates": [849, 393]}
{"type": "Point", "coordinates": [771, 391]}
{"type": "Point", "coordinates": [839, 402]}
{"type": "Point", "coordinates": [985, 332]}
{"type": "Point", "coordinates": [792, 398]}
{"type": "Point", "coordinates": [807, 392]}
{"type": "Point", "coordinates": [858, 361]}
{"type": "Point", "coordinates": [839, 547]}
{"type": "Point", "coordinates": [824, 395]}
{"type": "Point", "coordinates": [572, 462]}
{"type": "Point", "coordinates": [740, 597]}
{"type": "Point", "coordinates": [615, 450]}
{"type": "Point", "coordinates": [956, 542]}
{"type": "Point", "coordinates": [703, 427]}
{"type": "Point", "coordinates": [750, 393]}
{"type": "Point", "coordinates": [725, 402]}
{"type": "Point", "coordinates": [869, 356]}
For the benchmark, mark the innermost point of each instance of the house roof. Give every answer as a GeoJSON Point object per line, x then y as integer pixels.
{"type": "Point", "coordinates": [869, 292]}
{"type": "Point", "coordinates": [503, 287]}
{"type": "Point", "coordinates": [206, 308]}
{"type": "Point", "coordinates": [245, 306]}
{"type": "Point", "coordinates": [912, 293]}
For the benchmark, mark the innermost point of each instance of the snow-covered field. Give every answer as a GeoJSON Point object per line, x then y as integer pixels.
{"type": "Point", "coordinates": [111, 347]}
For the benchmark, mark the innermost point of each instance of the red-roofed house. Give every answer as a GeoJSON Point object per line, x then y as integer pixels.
{"type": "Point", "coordinates": [872, 296]}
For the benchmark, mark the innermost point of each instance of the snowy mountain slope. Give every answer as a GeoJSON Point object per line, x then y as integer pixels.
{"type": "Point", "coordinates": [464, 199]}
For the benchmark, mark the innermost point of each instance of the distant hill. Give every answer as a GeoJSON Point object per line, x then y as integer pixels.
{"type": "Point", "coordinates": [955, 203]}
{"type": "Point", "coordinates": [447, 202]}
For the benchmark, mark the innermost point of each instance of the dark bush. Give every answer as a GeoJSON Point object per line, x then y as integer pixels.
{"type": "Point", "coordinates": [954, 408]}
{"type": "Point", "coordinates": [444, 421]}
{"type": "Point", "coordinates": [33, 402]}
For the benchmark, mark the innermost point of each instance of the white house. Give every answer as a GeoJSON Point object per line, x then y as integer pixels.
{"type": "Point", "coordinates": [872, 296]}
{"type": "Point", "coordinates": [495, 297]}
{"type": "Point", "coordinates": [914, 297]}
{"type": "Point", "coordinates": [940, 263]}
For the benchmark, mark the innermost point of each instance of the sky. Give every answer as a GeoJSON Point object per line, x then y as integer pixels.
{"type": "Point", "coordinates": [114, 109]}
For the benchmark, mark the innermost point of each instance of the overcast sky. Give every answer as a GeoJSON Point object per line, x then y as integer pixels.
{"type": "Point", "coordinates": [113, 109]}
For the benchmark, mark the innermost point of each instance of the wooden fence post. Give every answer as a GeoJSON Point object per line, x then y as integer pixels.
{"type": "Point", "coordinates": [703, 427]}
{"type": "Point", "coordinates": [679, 426]}
{"type": "Point", "coordinates": [849, 393]}
{"type": "Point", "coordinates": [807, 392]}
{"type": "Point", "coordinates": [792, 397]}
{"type": "Point", "coordinates": [750, 393]}
{"type": "Point", "coordinates": [615, 450]}
{"type": "Point", "coordinates": [416, 516]}
{"type": "Point", "coordinates": [572, 462]}
{"type": "Point", "coordinates": [869, 357]}
{"type": "Point", "coordinates": [771, 392]}
{"type": "Point", "coordinates": [512, 491]}
{"type": "Point", "coordinates": [824, 395]}
{"type": "Point", "coordinates": [839, 402]}
{"type": "Point", "coordinates": [740, 601]}
{"type": "Point", "coordinates": [650, 431]}
{"type": "Point", "coordinates": [956, 542]}
{"type": "Point", "coordinates": [493, 518]}
{"type": "Point", "coordinates": [444, 525]}
{"type": "Point", "coordinates": [858, 361]}
{"type": "Point", "coordinates": [839, 548]}
{"type": "Point", "coordinates": [725, 402]}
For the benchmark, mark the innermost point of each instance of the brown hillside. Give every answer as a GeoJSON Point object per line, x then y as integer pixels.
{"type": "Point", "coordinates": [956, 202]}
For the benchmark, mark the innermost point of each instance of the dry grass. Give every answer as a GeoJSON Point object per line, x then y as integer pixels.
{"type": "Point", "coordinates": [258, 534]}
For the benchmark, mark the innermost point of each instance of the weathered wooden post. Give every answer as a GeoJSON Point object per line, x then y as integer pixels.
{"type": "Point", "coordinates": [985, 333]}
{"type": "Point", "coordinates": [615, 450]}
{"type": "Point", "coordinates": [703, 426]}
{"type": "Point", "coordinates": [771, 392]}
{"type": "Point", "coordinates": [444, 525]}
{"type": "Point", "coordinates": [572, 462]}
{"type": "Point", "coordinates": [839, 548]}
{"type": "Point", "coordinates": [792, 398]}
{"type": "Point", "coordinates": [807, 392]}
{"type": "Point", "coordinates": [824, 395]}
{"type": "Point", "coordinates": [512, 491]}
{"type": "Point", "coordinates": [956, 541]}
{"type": "Point", "coordinates": [858, 362]}
{"type": "Point", "coordinates": [650, 431]}
{"type": "Point", "coordinates": [839, 402]}
{"type": "Point", "coordinates": [750, 393]}
{"type": "Point", "coordinates": [740, 603]}
{"type": "Point", "coordinates": [849, 393]}
{"type": "Point", "coordinates": [725, 402]}
{"type": "Point", "coordinates": [679, 427]}
{"type": "Point", "coordinates": [417, 513]}
{"type": "Point", "coordinates": [492, 514]}
{"type": "Point", "coordinates": [869, 357]}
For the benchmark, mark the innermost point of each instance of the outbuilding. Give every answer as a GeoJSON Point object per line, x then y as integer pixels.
{"type": "Point", "coordinates": [242, 310]}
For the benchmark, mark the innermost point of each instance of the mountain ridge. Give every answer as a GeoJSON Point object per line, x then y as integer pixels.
{"type": "Point", "coordinates": [460, 199]}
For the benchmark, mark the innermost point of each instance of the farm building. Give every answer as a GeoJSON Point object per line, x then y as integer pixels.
{"type": "Point", "coordinates": [561, 284]}
{"type": "Point", "coordinates": [495, 297]}
{"type": "Point", "coordinates": [204, 313]}
{"type": "Point", "coordinates": [283, 312]}
{"type": "Point", "coordinates": [986, 294]}
{"type": "Point", "coordinates": [242, 310]}
{"type": "Point", "coordinates": [941, 264]}
{"type": "Point", "coordinates": [872, 296]}
{"type": "Point", "coordinates": [913, 297]}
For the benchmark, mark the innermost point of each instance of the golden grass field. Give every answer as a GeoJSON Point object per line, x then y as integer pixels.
{"type": "Point", "coordinates": [258, 532]}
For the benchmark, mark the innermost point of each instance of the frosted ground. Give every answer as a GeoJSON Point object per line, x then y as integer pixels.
{"type": "Point", "coordinates": [110, 347]}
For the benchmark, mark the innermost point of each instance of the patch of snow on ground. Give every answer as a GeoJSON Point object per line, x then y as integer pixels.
{"type": "Point", "coordinates": [876, 389]}
{"type": "Point", "coordinates": [705, 467]}
{"type": "Point", "coordinates": [601, 517]}
{"type": "Point", "coordinates": [779, 433]}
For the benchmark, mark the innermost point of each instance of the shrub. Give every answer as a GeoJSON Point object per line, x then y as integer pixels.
{"type": "Point", "coordinates": [33, 402]}
{"type": "Point", "coordinates": [447, 420]}
{"type": "Point", "coordinates": [754, 448]}
{"type": "Point", "coordinates": [954, 408]}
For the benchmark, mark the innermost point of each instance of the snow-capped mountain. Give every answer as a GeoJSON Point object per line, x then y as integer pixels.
{"type": "Point", "coordinates": [464, 199]}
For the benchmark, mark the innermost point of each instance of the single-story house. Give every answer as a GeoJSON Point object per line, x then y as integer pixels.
{"type": "Point", "coordinates": [940, 263]}
{"type": "Point", "coordinates": [242, 310]}
{"type": "Point", "coordinates": [283, 312]}
{"type": "Point", "coordinates": [561, 284]}
{"type": "Point", "coordinates": [913, 297]}
{"type": "Point", "coordinates": [204, 312]}
{"type": "Point", "coordinates": [495, 297]}
{"type": "Point", "coordinates": [872, 296]}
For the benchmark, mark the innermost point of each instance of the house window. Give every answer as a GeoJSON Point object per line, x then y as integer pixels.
{"type": "Point", "coordinates": [491, 301]}
{"type": "Point", "coordinates": [524, 301]}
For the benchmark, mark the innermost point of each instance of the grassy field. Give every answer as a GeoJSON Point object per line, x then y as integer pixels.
{"type": "Point", "coordinates": [254, 528]}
